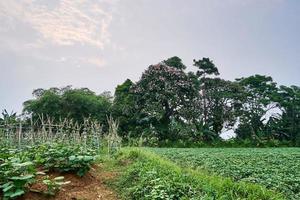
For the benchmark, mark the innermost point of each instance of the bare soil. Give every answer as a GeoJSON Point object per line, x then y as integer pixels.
{"type": "Point", "coordinates": [89, 187]}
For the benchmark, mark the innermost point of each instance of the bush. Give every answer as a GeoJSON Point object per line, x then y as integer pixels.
{"type": "Point", "coordinates": [64, 157]}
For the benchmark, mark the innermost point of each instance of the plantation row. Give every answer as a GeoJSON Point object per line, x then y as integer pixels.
{"type": "Point", "coordinates": [148, 176]}
{"type": "Point", "coordinates": [145, 173]}
{"type": "Point", "coordinates": [19, 168]}
{"type": "Point", "coordinates": [30, 155]}
{"type": "Point", "coordinates": [275, 168]}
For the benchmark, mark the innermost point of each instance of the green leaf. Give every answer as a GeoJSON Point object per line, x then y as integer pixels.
{"type": "Point", "coordinates": [46, 182]}
{"type": "Point", "coordinates": [59, 178]}
{"type": "Point", "coordinates": [41, 173]}
{"type": "Point", "coordinates": [5, 189]}
{"type": "Point", "coordinates": [25, 164]}
{"type": "Point", "coordinates": [71, 158]}
{"type": "Point", "coordinates": [17, 193]}
{"type": "Point", "coordinates": [5, 185]}
{"type": "Point", "coordinates": [26, 177]}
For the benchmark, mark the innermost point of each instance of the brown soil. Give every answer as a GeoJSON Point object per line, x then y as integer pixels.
{"type": "Point", "coordinates": [89, 187]}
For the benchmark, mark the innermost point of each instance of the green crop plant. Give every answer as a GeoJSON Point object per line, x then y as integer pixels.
{"type": "Point", "coordinates": [18, 166]}
{"type": "Point", "coordinates": [61, 157]}
{"type": "Point", "coordinates": [79, 163]}
{"type": "Point", "coordinates": [149, 176]}
{"type": "Point", "coordinates": [54, 184]}
{"type": "Point", "coordinates": [275, 168]}
{"type": "Point", "coordinates": [15, 176]}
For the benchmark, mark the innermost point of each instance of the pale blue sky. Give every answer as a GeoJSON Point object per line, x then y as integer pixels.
{"type": "Point", "coordinates": [99, 43]}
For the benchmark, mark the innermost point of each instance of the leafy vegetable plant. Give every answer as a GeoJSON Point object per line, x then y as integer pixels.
{"type": "Point", "coordinates": [54, 185]}
{"type": "Point", "coordinates": [15, 176]}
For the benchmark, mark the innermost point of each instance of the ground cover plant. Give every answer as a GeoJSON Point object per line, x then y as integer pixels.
{"type": "Point", "coordinates": [149, 176]}
{"type": "Point", "coordinates": [275, 168]}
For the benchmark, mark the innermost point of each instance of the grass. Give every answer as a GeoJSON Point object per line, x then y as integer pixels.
{"type": "Point", "coordinates": [275, 168]}
{"type": "Point", "coordinates": [146, 176]}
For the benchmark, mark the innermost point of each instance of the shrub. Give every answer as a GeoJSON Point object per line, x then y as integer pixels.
{"type": "Point", "coordinates": [64, 158]}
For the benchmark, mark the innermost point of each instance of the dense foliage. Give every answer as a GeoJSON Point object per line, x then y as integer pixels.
{"type": "Point", "coordinates": [168, 104]}
{"type": "Point", "coordinates": [276, 169]}
{"type": "Point", "coordinates": [124, 108]}
{"type": "Point", "coordinates": [68, 103]}
{"type": "Point", "coordinates": [164, 94]}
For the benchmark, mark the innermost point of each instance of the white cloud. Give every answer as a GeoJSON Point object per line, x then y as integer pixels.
{"type": "Point", "coordinates": [96, 61]}
{"type": "Point", "coordinates": [68, 22]}
{"type": "Point", "coordinates": [82, 61]}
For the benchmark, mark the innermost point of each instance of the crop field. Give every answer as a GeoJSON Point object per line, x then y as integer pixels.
{"type": "Point", "coordinates": [56, 161]}
{"type": "Point", "coordinates": [19, 167]}
{"type": "Point", "coordinates": [275, 168]}
{"type": "Point", "coordinates": [38, 164]}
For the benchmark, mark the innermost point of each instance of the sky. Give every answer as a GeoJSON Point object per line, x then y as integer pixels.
{"type": "Point", "coordinates": [100, 43]}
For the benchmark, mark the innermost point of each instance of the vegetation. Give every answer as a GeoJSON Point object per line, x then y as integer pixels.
{"type": "Point", "coordinates": [152, 177]}
{"type": "Point", "coordinates": [15, 175]}
{"type": "Point", "coordinates": [29, 152]}
{"type": "Point", "coordinates": [276, 169]}
{"type": "Point", "coordinates": [64, 130]}
{"type": "Point", "coordinates": [62, 157]}
{"type": "Point", "coordinates": [68, 103]}
{"type": "Point", "coordinates": [168, 105]}
{"type": "Point", "coordinates": [19, 166]}
{"type": "Point", "coordinates": [164, 94]}
{"type": "Point", "coordinates": [54, 185]}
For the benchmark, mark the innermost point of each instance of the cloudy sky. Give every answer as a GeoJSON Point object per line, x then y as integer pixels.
{"type": "Point", "coordinates": [99, 43]}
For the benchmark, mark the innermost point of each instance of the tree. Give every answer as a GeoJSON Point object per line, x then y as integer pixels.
{"type": "Point", "coordinates": [8, 118]}
{"type": "Point", "coordinates": [164, 93]}
{"type": "Point", "coordinates": [223, 100]}
{"type": "Point", "coordinates": [257, 98]}
{"type": "Point", "coordinates": [83, 103]}
{"type": "Point", "coordinates": [46, 102]}
{"type": "Point", "coordinates": [123, 108]}
{"type": "Point", "coordinates": [206, 68]}
{"type": "Point", "coordinates": [175, 62]}
{"type": "Point", "coordinates": [76, 104]}
{"type": "Point", "coordinates": [288, 127]}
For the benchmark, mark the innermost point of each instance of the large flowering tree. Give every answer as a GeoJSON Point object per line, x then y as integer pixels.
{"type": "Point", "coordinates": [165, 93]}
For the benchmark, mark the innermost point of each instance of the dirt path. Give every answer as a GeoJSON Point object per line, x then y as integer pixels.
{"type": "Point", "coordinates": [90, 187]}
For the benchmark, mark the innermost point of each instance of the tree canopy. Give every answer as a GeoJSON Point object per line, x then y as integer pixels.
{"type": "Point", "coordinates": [163, 94]}
{"type": "Point", "coordinates": [170, 104]}
{"type": "Point", "coordinates": [76, 104]}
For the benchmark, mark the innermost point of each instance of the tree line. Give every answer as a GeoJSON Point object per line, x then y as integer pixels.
{"type": "Point", "coordinates": [169, 104]}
